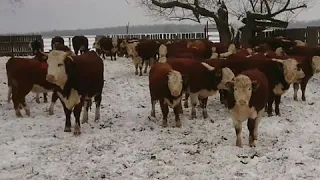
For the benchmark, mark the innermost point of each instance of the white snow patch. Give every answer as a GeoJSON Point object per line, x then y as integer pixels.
{"type": "Point", "coordinates": [125, 144]}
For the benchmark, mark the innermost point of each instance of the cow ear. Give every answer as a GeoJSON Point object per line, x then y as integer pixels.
{"type": "Point", "coordinates": [68, 60]}
{"type": "Point", "coordinates": [230, 86]}
{"type": "Point", "coordinates": [255, 85]}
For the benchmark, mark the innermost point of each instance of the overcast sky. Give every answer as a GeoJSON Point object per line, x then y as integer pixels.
{"type": "Point", "coordinates": [39, 15]}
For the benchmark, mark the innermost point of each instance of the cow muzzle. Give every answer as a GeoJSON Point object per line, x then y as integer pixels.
{"type": "Point", "coordinates": [50, 78]}
{"type": "Point", "coordinates": [242, 102]}
{"type": "Point", "coordinates": [175, 93]}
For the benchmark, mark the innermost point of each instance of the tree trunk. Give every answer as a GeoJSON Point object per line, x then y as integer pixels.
{"type": "Point", "coordinates": [247, 30]}
{"type": "Point", "coordinates": [224, 32]}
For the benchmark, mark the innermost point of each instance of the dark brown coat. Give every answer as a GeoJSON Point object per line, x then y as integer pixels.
{"type": "Point", "coordinates": [159, 91]}
{"type": "Point", "coordinates": [80, 43]}
{"type": "Point", "coordinates": [56, 40]}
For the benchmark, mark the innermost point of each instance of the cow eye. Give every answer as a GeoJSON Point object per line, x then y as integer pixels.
{"type": "Point", "coordinates": [60, 64]}
{"type": "Point", "coordinates": [249, 89]}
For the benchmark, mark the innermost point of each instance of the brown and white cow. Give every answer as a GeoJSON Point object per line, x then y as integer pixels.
{"type": "Point", "coordinates": [166, 85]}
{"type": "Point", "coordinates": [246, 101]}
{"type": "Point", "coordinates": [25, 75]}
{"type": "Point", "coordinates": [204, 80]}
{"type": "Point", "coordinates": [107, 46]}
{"type": "Point", "coordinates": [78, 79]}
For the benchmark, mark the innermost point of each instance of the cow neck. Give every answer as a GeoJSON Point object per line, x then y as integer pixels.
{"type": "Point", "coordinates": [72, 81]}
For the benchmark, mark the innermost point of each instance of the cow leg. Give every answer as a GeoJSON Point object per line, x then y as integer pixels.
{"type": "Point", "coordinates": [277, 100]}
{"type": "Point", "coordinates": [140, 67]}
{"type": "Point", "coordinates": [186, 105]}
{"type": "Point", "coordinates": [37, 98]}
{"type": "Point", "coordinates": [221, 96]}
{"type": "Point", "coordinates": [76, 113]}
{"type": "Point", "coordinates": [136, 66]}
{"type": "Point", "coordinates": [16, 102]}
{"type": "Point", "coordinates": [45, 99]}
{"type": "Point", "coordinates": [54, 99]}
{"type": "Point", "coordinates": [295, 91]}
{"type": "Point", "coordinates": [256, 125]}
{"type": "Point", "coordinates": [204, 107]}
{"type": "Point", "coordinates": [194, 102]}
{"type": "Point", "coordinates": [251, 127]}
{"type": "Point", "coordinates": [303, 86]}
{"type": "Point", "coordinates": [97, 99]}
{"type": "Point", "coordinates": [177, 110]}
{"type": "Point", "coordinates": [25, 107]}
{"type": "Point", "coordinates": [9, 93]}
{"type": "Point", "coordinates": [238, 128]}
{"type": "Point", "coordinates": [165, 111]}
{"type": "Point", "coordinates": [67, 112]}
{"type": "Point", "coordinates": [270, 102]}
{"type": "Point", "coordinates": [85, 112]}
{"type": "Point", "coordinates": [146, 63]}
{"type": "Point", "coordinates": [153, 108]}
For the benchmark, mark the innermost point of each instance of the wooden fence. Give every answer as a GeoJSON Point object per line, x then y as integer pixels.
{"type": "Point", "coordinates": [17, 45]}
{"type": "Point", "coordinates": [311, 35]}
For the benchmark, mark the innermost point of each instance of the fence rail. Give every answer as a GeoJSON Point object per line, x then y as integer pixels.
{"type": "Point", "coordinates": [17, 45]}
{"type": "Point", "coordinates": [310, 35]}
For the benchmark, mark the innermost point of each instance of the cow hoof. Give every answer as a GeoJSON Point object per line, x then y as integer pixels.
{"type": "Point", "coordinates": [38, 101]}
{"type": "Point", "coordinates": [253, 144]}
{"type": "Point", "coordinates": [45, 101]}
{"type": "Point", "coordinates": [178, 124]}
{"type": "Point", "coordinates": [84, 121]}
{"type": "Point", "coordinates": [153, 114]}
{"type": "Point", "coordinates": [50, 112]}
{"type": "Point", "coordinates": [67, 129]}
{"type": "Point", "coordinates": [18, 114]}
{"type": "Point", "coordinates": [205, 115]}
{"type": "Point", "coordinates": [186, 105]}
{"type": "Point", "coordinates": [140, 74]}
{"type": "Point", "coordinates": [136, 73]}
{"type": "Point", "coordinates": [193, 116]}
{"type": "Point", "coordinates": [278, 114]}
{"type": "Point", "coordinates": [295, 99]}
{"type": "Point", "coordinates": [164, 125]}
{"type": "Point", "coordinates": [303, 99]}
{"type": "Point", "coordinates": [270, 115]}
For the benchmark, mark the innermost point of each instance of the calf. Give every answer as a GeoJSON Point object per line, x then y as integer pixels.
{"type": "Point", "coordinates": [279, 74]}
{"type": "Point", "coordinates": [247, 100]}
{"type": "Point", "coordinates": [77, 80]}
{"type": "Point", "coordinates": [166, 85]}
{"type": "Point", "coordinates": [204, 80]}
{"type": "Point", "coordinates": [80, 43]}
{"type": "Point", "coordinates": [146, 50]}
{"type": "Point", "coordinates": [25, 75]}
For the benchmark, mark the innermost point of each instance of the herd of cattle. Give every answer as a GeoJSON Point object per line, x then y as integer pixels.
{"type": "Point", "coordinates": [248, 78]}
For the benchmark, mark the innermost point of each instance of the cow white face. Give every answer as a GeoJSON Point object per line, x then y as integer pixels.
{"type": "Point", "coordinates": [162, 50]}
{"type": "Point", "coordinates": [316, 64]}
{"type": "Point", "coordinates": [56, 68]}
{"type": "Point", "coordinates": [175, 83]}
{"type": "Point", "coordinates": [242, 87]}
{"type": "Point", "coordinates": [131, 49]}
{"type": "Point", "coordinates": [291, 69]}
{"type": "Point", "coordinates": [114, 41]}
{"type": "Point", "coordinates": [227, 76]}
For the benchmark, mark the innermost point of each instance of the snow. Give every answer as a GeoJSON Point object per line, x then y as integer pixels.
{"type": "Point", "coordinates": [125, 144]}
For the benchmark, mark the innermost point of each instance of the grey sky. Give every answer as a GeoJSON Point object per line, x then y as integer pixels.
{"type": "Point", "coordinates": [39, 15]}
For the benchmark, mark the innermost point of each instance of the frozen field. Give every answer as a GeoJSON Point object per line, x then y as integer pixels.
{"type": "Point", "coordinates": [126, 145]}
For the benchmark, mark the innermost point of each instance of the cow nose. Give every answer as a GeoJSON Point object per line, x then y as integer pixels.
{"type": "Point", "coordinates": [242, 102]}
{"type": "Point", "coordinates": [50, 78]}
{"type": "Point", "coordinates": [175, 93]}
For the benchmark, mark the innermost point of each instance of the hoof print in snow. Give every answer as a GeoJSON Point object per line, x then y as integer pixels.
{"type": "Point", "coordinates": [153, 157]}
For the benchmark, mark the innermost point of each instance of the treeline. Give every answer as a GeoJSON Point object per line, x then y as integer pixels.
{"type": "Point", "coordinates": [162, 28]}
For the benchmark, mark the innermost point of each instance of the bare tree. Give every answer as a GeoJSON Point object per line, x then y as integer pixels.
{"type": "Point", "coordinates": [255, 15]}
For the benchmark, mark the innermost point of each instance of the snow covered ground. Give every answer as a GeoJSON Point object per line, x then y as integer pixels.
{"type": "Point", "coordinates": [125, 144]}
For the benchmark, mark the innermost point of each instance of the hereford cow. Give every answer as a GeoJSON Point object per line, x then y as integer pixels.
{"type": "Point", "coordinates": [25, 75]}
{"type": "Point", "coordinates": [247, 100]}
{"type": "Point", "coordinates": [56, 40]}
{"type": "Point", "coordinates": [204, 80]}
{"type": "Point", "coordinates": [36, 46]}
{"type": "Point", "coordinates": [80, 43]}
{"type": "Point", "coordinates": [146, 50]}
{"type": "Point", "coordinates": [166, 85]}
{"type": "Point", "coordinates": [77, 80]}
{"type": "Point", "coordinates": [108, 46]}
{"type": "Point", "coordinates": [279, 74]}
